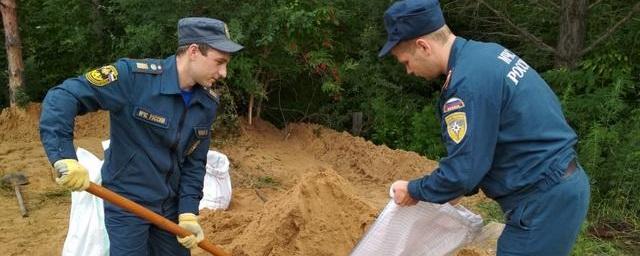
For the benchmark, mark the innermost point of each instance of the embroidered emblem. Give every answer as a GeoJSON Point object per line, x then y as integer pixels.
{"type": "Point", "coordinates": [456, 126]}
{"type": "Point", "coordinates": [153, 118]}
{"type": "Point", "coordinates": [452, 104]}
{"type": "Point", "coordinates": [102, 76]}
{"type": "Point", "coordinates": [193, 147]}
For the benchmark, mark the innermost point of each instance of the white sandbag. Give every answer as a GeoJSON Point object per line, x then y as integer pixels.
{"type": "Point", "coordinates": [423, 229]}
{"type": "Point", "coordinates": [87, 234]}
{"type": "Point", "coordinates": [217, 182]}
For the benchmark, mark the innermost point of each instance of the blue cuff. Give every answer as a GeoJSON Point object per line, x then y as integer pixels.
{"type": "Point", "coordinates": [188, 205]}
{"type": "Point", "coordinates": [65, 150]}
{"type": "Point", "coordinates": [414, 189]}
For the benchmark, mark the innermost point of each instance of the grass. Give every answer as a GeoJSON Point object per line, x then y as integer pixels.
{"type": "Point", "coordinates": [591, 245]}
{"type": "Point", "coordinates": [490, 211]}
{"type": "Point", "coordinates": [265, 182]}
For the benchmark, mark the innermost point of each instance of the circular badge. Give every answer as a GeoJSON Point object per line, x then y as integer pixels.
{"type": "Point", "coordinates": [102, 76]}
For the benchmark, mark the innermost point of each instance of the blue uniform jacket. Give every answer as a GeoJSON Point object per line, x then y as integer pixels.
{"type": "Point", "coordinates": [502, 125]}
{"type": "Point", "coordinates": [158, 144]}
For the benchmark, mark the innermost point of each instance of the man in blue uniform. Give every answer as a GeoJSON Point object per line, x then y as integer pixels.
{"type": "Point", "coordinates": [160, 113]}
{"type": "Point", "coordinates": [504, 132]}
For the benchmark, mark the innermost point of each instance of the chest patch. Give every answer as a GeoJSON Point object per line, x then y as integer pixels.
{"type": "Point", "coordinates": [151, 118]}
{"type": "Point", "coordinates": [456, 126]}
{"type": "Point", "coordinates": [201, 132]}
{"type": "Point", "coordinates": [102, 76]}
{"type": "Point", "coordinates": [452, 104]}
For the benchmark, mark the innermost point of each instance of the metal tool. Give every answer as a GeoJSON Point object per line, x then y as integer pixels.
{"type": "Point", "coordinates": [16, 179]}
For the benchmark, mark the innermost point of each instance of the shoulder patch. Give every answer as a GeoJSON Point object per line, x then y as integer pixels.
{"type": "Point", "coordinates": [102, 76]}
{"type": "Point", "coordinates": [452, 104]}
{"type": "Point", "coordinates": [456, 126]}
{"type": "Point", "coordinates": [147, 67]}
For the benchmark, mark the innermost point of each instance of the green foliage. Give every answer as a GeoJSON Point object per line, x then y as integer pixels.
{"type": "Point", "coordinates": [317, 61]}
{"type": "Point", "coordinates": [265, 182]}
{"type": "Point", "coordinates": [22, 98]}
{"type": "Point", "coordinates": [490, 211]}
{"type": "Point", "coordinates": [425, 133]}
{"type": "Point", "coordinates": [588, 245]}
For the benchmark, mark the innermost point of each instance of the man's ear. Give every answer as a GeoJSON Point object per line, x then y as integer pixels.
{"type": "Point", "coordinates": [192, 50]}
{"type": "Point", "coordinates": [423, 45]}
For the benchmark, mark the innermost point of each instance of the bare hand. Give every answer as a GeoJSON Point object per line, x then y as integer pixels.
{"type": "Point", "coordinates": [401, 193]}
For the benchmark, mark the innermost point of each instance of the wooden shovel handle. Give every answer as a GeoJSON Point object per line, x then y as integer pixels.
{"type": "Point", "coordinates": [153, 217]}
{"type": "Point", "coordinates": [23, 209]}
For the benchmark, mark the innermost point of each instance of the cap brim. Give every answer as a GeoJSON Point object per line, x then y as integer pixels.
{"type": "Point", "coordinates": [226, 46]}
{"type": "Point", "coordinates": [387, 48]}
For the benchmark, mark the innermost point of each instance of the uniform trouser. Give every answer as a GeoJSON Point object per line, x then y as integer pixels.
{"type": "Point", "coordinates": [548, 220]}
{"type": "Point", "coordinates": [131, 235]}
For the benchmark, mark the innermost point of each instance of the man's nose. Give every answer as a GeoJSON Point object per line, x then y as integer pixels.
{"type": "Point", "coordinates": [223, 71]}
{"type": "Point", "coordinates": [409, 71]}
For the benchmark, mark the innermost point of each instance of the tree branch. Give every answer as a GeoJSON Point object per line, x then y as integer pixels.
{"type": "Point", "coordinates": [554, 4]}
{"type": "Point", "coordinates": [594, 3]}
{"type": "Point", "coordinates": [8, 4]}
{"type": "Point", "coordinates": [609, 32]}
{"type": "Point", "coordinates": [537, 41]}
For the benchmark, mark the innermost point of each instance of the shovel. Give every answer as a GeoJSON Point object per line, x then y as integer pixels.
{"type": "Point", "coordinates": [15, 180]}
{"type": "Point", "coordinates": [153, 217]}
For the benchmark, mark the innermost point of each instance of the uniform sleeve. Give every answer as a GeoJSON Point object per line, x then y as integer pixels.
{"type": "Point", "coordinates": [192, 178]}
{"type": "Point", "coordinates": [101, 88]}
{"type": "Point", "coordinates": [470, 125]}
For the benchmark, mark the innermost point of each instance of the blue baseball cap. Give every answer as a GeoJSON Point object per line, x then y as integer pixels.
{"type": "Point", "coordinates": [409, 19]}
{"type": "Point", "coordinates": [213, 32]}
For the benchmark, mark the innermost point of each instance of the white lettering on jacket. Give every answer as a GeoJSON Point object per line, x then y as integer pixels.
{"type": "Point", "coordinates": [518, 71]}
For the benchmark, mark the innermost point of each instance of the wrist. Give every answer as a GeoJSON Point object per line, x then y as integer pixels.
{"type": "Point", "coordinates": [187, 217]}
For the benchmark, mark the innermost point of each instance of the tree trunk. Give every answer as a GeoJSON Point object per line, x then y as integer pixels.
{"type": "Point", "coordinates": [98, 25]}
{"type": "Point", "coordinates": [259, 109]}
{"type": "Point", "coordinates": [571, 38]}
{"type": "Point", "coordinates": [13, 46]}
{"type": "Point", "coordinates": [250, 110]}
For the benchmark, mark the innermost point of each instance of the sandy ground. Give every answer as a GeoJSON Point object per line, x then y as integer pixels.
{"type": "Point", "coordinates": [305, 190]}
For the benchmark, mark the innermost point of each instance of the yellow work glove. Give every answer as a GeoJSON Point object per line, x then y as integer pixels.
{"type": "Point", "coordinates": [71, 174]}
{"type": "Point", "coordinates": [189, 221]}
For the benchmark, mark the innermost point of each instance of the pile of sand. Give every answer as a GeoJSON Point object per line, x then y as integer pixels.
{"type": "Point", "coordinates": [321, 215]}
{"type": "Point", "coordinates": [357, 158]}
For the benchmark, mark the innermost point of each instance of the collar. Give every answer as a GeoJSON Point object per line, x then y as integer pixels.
{"type": "Point", "coordinates": [456, 49]}
{"type": "Point", "coordinates": [170, 83]}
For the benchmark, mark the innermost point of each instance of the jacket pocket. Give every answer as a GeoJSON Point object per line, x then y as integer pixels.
{"type": "Point", "coordinates": [200, 134]}
{"type": "Point", "coordinates": [519, 217]}
{"type": "Point", "coordinates": [121, 167]}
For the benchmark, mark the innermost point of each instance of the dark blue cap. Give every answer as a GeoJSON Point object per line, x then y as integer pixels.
{"type": "Point", "coordinates": [409, 19]}
{"type": "Point", "coordinates": [206, 30]}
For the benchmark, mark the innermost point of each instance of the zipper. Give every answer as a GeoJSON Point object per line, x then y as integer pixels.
{"type": "Point", "coordinates": [174, 146]}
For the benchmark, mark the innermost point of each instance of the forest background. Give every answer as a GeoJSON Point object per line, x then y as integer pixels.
{"type": "Point", "coordinates": [316, 61]}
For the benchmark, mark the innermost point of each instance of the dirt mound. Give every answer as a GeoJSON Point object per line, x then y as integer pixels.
{"type": "Point", "coordinates": [321, 215]}
{"type": "Point", "coordinates": [356, 157]}
{"type": "Point", "coordinates": [17, 124]}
